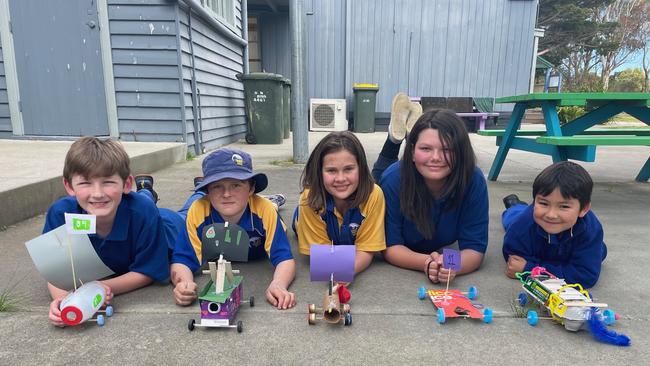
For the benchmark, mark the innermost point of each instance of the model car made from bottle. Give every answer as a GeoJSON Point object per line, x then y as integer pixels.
{"type": "Point", "coordinates": [333, 264]}
{"type": "Point", "coordinates": [66, 258]}
{"type": "Point", "coordinates": [84, 303]}
{"type": "Point", "coordinates": [456, 304]}
{"type": "Point", "coordinates": [221, 297]}
{"type": "Point", "coordinates": [567, 304]}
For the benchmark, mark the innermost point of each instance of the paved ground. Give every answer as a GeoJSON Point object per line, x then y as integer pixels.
{"type": "Point", "coordinates": [390, 324]}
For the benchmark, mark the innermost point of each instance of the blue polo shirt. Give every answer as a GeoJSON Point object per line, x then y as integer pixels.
{"type": "Point", "coordinates": [266, 232]}
{"type": "Point", "coordinates": [575, 255]}
{"type": "Point", "coordinates": [467, 224]}
{"type": "Point", "coordinates": [138, 241]}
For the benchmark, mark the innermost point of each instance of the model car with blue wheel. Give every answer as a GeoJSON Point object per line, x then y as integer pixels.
{"type": "Point", "coordinates": [568, 304]}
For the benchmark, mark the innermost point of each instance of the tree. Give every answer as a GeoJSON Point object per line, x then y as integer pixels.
{"type": "Point", "coordinates": [573, 36]}
{"type": "Point", "coordinates": [642, 18]}
{"type": "Point", "coordinates": [628, 80]}
{"type": "Point", "coordinates": [623, 40]}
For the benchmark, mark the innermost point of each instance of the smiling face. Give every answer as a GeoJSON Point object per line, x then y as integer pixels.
{"type": "Point", "coordinates": [340, 176]}
{"type": "Point", "coordinates": [230, 197]}
{"type": "Point", "coordinates": [99, 196]}
{"type": "Point", "coordinates": [431, 158]}
{"type": "Point", "coordinates": [555, 214]}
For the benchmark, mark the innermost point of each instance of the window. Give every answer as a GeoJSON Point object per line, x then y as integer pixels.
{"type": "Point", "coordinates": [222, 9]}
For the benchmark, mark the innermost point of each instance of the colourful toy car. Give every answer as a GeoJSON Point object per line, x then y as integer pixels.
{"type": "Point", "coordinates": [455, 304]}
{"type": "Point", "coordinates": [220, 298]}
{"type": "Point", "coordinates": [568, 304]}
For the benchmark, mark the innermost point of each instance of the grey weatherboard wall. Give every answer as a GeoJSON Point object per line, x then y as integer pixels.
{"type": "Point", "coordinates": [422, 47]}
{"type": "Point", "coordinates": [153, 66]}
{"type": "Point", "coordinates": [5, 120]}
{"type": "Point", "coordinates": [214, 60]}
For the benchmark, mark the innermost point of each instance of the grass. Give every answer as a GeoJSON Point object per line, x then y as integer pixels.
{"type": "Point", "coordinates": [11, 299]}
{"type": "Point", "coordinates": [189, 156]}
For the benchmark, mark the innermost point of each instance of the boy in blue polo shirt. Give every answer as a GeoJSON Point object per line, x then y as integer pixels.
{"type": "Point", "coordinates": [558, 231]}
{"type": "Point", "coordinates": [132, 239]}
{"type": "Point", "coordinates": [229, 193]}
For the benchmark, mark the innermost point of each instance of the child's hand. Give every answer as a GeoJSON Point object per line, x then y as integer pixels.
{"type": "Point", "coordinates": [445, 274]}
{"type": "Point", "coordinates": [185, 292]}
{"type": "Point", "coordinates": [515, 264]}
{"type": "Point", "coordinates": [109, 294]}
{"type": "Point", "coordinates": [55, 312]}
{"type": "Point", "coordinates": [279, 297]}
{"type": "Point", "coordinates": [431, 267]}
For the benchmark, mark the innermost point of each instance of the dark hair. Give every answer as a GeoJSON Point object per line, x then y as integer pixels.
{"type": "Point", "coordinates": [91, 157]}
{"type": "Point", "coordinates": [312, 175]}
{"type": "Point", "coordinates": [572, 180]}
{"type": "Point", "coordinates": [416, 199]}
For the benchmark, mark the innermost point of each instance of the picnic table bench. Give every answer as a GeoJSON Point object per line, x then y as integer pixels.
{"type": "Point", "coordinates": [575, 139]}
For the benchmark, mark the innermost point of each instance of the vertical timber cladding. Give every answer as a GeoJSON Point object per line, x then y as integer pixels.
{"type": "Point", "coordinates": [219, 96]}
{"type": "Point", "coordinates": [59, 67]}
{"type": "Point", "coordinates": [5, 120]}
{"type": "Point", "coordinates": [145, 66]}
{"type": "Point", "coordinates": [425, 48]}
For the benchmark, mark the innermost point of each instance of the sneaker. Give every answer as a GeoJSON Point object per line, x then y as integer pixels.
{"type": "Point", "coordinates": [399, 113]}
{"type": "Point", "coordinates": [277, 200]}
{"type": "Point", "coordinates": [197, 181]}
{"type": "Point", "coordinates": [512, 200]}
{"type": "Point", "coordinates": [416, 112]}
{"type": "Point", "coordinates": [143, 181]}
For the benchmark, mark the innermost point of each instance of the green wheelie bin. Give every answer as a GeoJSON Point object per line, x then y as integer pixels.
{"type": "Point", "coordinates": [264, 96]}
{"type": "Point", "coordinates": [365, 101]}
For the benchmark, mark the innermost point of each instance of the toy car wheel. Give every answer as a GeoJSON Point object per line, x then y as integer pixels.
{"type": "Point", "coordinates": [109, 311]}
{"type": "Point", "coordinates": [311, 318]}
{"type": "Point", "coordinates": [240, 326]}
{"type": "Point", "coordinates": [609, 317]}
{"type": "Point", "coordinates": [190, 325]}
{"type": "Point", "coordinates": [346, 308]}
{"type": "Point", "coordinates": [532, 317]}
{"type": "Point", "coordinates": [251, 301]}
{"type": "Point", "coordinates": [422, 293]}
{"type": "Point", "coordinates": [522, 299]}
{"type": "Point", "coordinates": [472, 293]}
{"type": "Point", "coordinates": [100, 320]}
{"type": "Point", "coordinates": [487, 315]}
{"type": "Point", "coordinates": [347, 320]}
{"type": "Point", "coordinates": [441, 316]}
{"type": "Point", "coordinates": [311, 308]}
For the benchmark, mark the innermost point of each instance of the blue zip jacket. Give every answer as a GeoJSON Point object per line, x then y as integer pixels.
{"type": "Point", "coordinates": [575, 255]}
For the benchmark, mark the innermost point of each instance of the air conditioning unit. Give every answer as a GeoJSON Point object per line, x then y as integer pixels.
{"type": "Point", "coordinates": [327, 115]}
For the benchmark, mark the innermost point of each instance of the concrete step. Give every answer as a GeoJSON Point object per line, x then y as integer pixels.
{"type": "Point", "coordinates": [32, 176]}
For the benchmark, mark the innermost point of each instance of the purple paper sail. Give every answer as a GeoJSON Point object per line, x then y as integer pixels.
{"type": "Point", "coordinates": [325, 260]}
{"type": "Point", "coordinates": [451, 259]}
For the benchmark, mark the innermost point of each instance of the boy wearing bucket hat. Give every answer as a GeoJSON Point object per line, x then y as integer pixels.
{"type": "Point", "coordinates": [229, 193]}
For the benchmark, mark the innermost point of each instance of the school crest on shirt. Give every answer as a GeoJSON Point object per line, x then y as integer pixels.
{"type": "Point", "coordinates": [354, 227]}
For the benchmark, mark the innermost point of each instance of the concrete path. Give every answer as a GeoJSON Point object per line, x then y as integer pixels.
{"type": "Point", "coordinates": [391, 326]}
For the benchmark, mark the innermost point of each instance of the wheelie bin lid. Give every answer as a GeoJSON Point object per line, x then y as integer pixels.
{"type": "Point", "coordinates": [365, 86]}
{"type": "Point", "coordinates": [260, 76]}
{"type": "Point", "coordinates": [287, 81]}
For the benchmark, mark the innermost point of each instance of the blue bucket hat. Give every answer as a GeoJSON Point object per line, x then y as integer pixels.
{"type": "Point", "coordinates": [230, 163]}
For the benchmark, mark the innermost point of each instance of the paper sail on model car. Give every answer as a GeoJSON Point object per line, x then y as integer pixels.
{"type": "Point", "coordinates": [55, 251]}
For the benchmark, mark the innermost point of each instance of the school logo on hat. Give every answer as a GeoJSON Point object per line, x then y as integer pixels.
{"type": "Point", "coordinates": [230, 163]}
{"type": "Point", "coordinates": [237, 159]}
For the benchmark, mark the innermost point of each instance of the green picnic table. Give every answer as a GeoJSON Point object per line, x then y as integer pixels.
{"type": "Point", "coordinates": [573, 140]}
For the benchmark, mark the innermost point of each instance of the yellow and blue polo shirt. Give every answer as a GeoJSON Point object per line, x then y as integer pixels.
{"type": "Point", "coordinates": [261, 221]}
{"type": "Point", "coordinates": [362, 226]}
